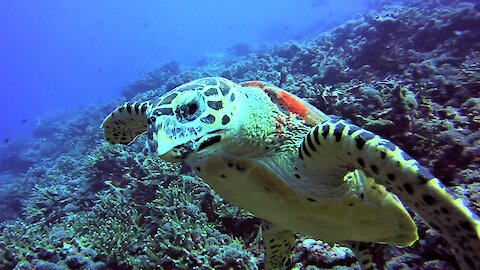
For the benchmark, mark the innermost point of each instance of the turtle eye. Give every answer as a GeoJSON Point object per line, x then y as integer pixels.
{"type": "Point", "coordinates": [187, 112]}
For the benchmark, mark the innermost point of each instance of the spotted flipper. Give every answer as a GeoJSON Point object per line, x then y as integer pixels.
{"type": "Point", "coordinates": [335, 146]}
{"type": "Point", "coordinates": [363, 254]}
{"type": "Point", "coordinates": [126, 123]}
{"type": "Point", "coordinates": [279, 245]}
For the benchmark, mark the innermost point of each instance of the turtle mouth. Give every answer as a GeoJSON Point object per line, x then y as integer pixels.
{"type": "Point", "coordinates": [179, 152]}
{"type": "Point", "coordinates": [185, 150]}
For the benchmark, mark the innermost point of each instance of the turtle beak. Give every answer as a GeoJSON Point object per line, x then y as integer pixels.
{"type": "Point", "coordinates": [178, 153]}
{"type": "Point", "coordinates": [167, 137]}
{"type": "Point", "coordinates": [184, 151]}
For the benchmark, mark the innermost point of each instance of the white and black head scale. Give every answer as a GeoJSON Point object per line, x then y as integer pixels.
{"type": "Point", "coordinates": [192, 117]}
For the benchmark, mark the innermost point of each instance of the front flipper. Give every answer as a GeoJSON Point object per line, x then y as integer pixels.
{"type": "Point", "coordinates": [334, 147]}
{"type": "Point", "coordinates": [126, 123]}
{"type": "Point", "coordinates": [279, 245]}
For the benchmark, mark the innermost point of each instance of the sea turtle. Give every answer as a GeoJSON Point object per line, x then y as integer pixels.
{"type": "Point", "coordinates": [272, 153]}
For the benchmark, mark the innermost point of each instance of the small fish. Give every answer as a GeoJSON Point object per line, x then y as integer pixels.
{"type": "Point", "coordinates": [6, 140]}
{"type": "Point", "coordinates": [24, 120]}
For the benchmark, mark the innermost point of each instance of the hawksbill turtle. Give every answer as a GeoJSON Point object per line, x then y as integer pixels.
{"type": "Point", "coordinates": [303, 171]}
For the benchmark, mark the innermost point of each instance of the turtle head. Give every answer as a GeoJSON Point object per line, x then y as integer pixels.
{"type": "Point", "coordinates": [192, 118]}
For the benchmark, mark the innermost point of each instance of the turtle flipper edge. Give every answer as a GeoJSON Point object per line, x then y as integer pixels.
{"type": "Point", "coordinates": [338, 144]}
{"type": "Point", "coordinates": [126, 123]}
{"type": "Point", "coordinates": [279, 245]}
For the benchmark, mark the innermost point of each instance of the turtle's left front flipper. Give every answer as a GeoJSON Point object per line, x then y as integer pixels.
{"type": "Point", "coordinates": [336, 145]}
{"type": "Point", "coordinates": [126, 123]}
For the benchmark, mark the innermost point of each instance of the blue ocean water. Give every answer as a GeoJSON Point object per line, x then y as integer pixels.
{"type": "Point", "coordinates": [57, 55]}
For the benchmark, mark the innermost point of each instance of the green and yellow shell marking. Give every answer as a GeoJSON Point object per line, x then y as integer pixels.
{"type": "Point", "coordinates": [270, 152]}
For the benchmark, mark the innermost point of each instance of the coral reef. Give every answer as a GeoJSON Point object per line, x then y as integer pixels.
{"type": "Point", "coordinates": [407, 72]}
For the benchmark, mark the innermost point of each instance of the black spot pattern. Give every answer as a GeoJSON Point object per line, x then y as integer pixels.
{"type": "Point", "coordinates": [287, 262]}
{"type": "Point", "coordinates": [216, 105]}
{"type": "Point", "coordinates": [312, 200]}
{"type": "Point", "coordinates": [374, 169]}
{"type": "Point", "coordinates": [315, 135]}
{"type": "Point", "coordinates": [467, 226]}
{"type": "Point", "coordinates": [168, 99]}
{"type": "Point", "coordinates": [211, 91]}
{"type": "Point", "coordinates": [300, 155]}
{"type": "Point", "coordinates": [428, 199]}
{"type": "Point", "coordinates": [337, 132]}
{"type": "Point", "coordinates": [310, 143]}
{"type": "Point", "coordinates": [361, 162]}
{"type": "Point", "coordinates": [209, 142]}
{"type": "Point", "coordinates": [163, 111]}
{"type": "Point", "coordinates": [232, 97]}
{"type": "Point", "coordinates": [304, 148]}
{"type": "Point", "coordinates": [240, 167]}
{"type": "Point", "coordinates": [225, 120]}
{"type": "Point", "coordinates": [360, 142]}
{"type": "Point", "coordinates": [209, 119]}
{"type": "Point", "coordinates": [224, 88]}
{"type": "Point", "coordinates": [391, 177]}
{"type": "Point", "coordinates": [408, 188]}
{"type": "Point", "coordinates": [325, 131]}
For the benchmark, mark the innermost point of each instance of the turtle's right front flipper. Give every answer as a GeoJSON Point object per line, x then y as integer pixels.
{"type": "Point", "coordinates": [126, 123]}
{"type": "Point", "coordinates": [333, 147]}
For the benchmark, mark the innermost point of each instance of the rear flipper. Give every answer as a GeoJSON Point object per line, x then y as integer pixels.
{"type": "Point", "coordinates": [339, 144]}
{"type": "Point", "coordinates": [126, 123]}
{"type": "Point", "coordinates": [279, 245]}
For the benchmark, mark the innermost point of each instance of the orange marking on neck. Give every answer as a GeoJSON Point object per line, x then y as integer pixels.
{"type": "Point", "coordinates": [291, 104]}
